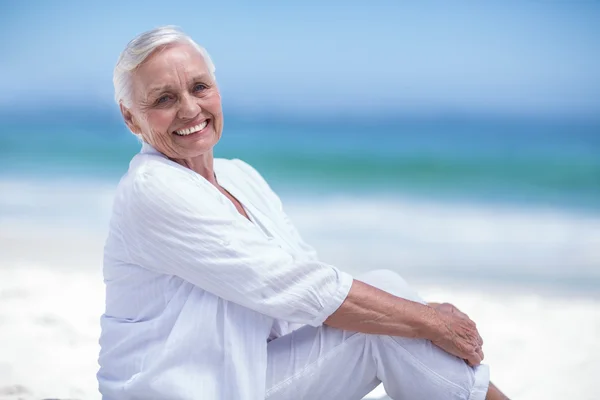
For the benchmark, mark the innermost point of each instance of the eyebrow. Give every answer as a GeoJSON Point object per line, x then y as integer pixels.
{"type": "Point", "coordinates": [166, 88]}
{"type": "Point", "coordinates": [159, 89]}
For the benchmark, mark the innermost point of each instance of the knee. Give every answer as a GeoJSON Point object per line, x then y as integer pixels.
{"type": "Point", "coordinates": [390, 282]}
{"type": "Point", "coordinates": [381, 276]}
{"type": "Point", "coordinates": [436, 373]}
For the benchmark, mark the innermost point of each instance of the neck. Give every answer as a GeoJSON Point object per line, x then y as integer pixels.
{"type": "Point", "coordinates": [202, 164]}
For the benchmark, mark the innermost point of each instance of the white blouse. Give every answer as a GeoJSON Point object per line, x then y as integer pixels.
{"type": "Point", "coordinates": [194, 290]}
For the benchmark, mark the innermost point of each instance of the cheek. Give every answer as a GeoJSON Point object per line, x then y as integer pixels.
{"type": "Point", "coordinates": [216, 111]}
{"type": "Point", "coordinates": [213, 104]}
{"type": "Point", "coordinates": [159, 121]}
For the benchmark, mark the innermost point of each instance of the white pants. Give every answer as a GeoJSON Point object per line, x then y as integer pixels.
{"type": "Point", "coordinates": [325, 363]}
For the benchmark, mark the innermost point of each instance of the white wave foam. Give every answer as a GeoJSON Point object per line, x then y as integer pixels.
{"type": "Point", "coordinates": [422, 238]}
{"type": "Point", "coordinates": [415, 237]}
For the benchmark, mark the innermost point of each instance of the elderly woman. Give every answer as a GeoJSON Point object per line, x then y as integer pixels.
{"type": "Point", "coordinates": [211, 293]}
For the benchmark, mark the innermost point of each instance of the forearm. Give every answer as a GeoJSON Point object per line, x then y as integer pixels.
{"type": "Point", "coordinates": [371, 310]}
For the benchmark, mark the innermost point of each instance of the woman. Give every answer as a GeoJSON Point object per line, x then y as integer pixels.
{"type": "Point", "coordinates": [211, 293]}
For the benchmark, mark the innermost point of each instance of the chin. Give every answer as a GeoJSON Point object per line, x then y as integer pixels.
{"type": "Point", "coordinates": [200, 147]}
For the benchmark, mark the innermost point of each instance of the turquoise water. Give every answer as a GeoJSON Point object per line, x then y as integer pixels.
{"type": "Point", "coordinates": [540, 162]}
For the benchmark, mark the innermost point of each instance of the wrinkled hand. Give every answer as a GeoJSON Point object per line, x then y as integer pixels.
{"type": "Point", "coordinates": [457, 334]}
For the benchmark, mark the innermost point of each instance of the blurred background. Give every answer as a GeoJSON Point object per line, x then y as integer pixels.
{"type": "Point", "coordinates": [458, 144]}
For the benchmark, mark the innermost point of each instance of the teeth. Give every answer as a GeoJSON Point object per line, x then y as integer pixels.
{"type": "Point", "coordinates": [193, 129]}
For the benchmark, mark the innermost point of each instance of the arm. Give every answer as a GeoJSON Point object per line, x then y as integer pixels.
{"type": "Point", "coordinates": [370, 310]}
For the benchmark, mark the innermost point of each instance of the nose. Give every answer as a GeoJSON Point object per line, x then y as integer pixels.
{"type": "Point", "coordinates": [188, 107]}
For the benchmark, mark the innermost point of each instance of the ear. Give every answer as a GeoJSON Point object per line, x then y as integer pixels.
{"type": "Point", "coordinates": [129, 120]}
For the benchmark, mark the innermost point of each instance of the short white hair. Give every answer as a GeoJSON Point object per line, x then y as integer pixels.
{"type": "Point", "coordinates": [140, 48]}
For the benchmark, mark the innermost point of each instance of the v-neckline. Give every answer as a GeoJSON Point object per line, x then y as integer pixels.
{"type": "Point", "coordinates": [227, 186]}
{"type": "Point", "coordinates": [256, 217]}
{"type": "Point", "coordinates": [242, 204]}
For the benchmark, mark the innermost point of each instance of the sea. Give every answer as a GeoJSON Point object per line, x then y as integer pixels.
{"type": "Point", "coordinates": [499, 215]}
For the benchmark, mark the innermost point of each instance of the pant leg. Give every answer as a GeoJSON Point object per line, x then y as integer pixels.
{"type": "Point", "coordinates": [326, 363]}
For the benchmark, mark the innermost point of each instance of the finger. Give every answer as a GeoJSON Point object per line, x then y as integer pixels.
{"type": "Point", "coordinates": [474, 356]}
{"type": "Point", "coordinates": [480, 353]}
{"type": "Point", "coordinates": [477, 337]}
{"type": "Point", "coordinates": [474, 334]}
{"type": "Point", "coordinates": [474, 360]}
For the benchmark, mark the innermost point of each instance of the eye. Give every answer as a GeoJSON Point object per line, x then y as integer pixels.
{"type": "Point", "coordinates": [163, 99]}
{"type": "Point", "coordinates": [198, 87]}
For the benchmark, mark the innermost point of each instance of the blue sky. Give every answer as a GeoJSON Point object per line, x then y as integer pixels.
{"type": "Point", "coordinates": [520, 57]}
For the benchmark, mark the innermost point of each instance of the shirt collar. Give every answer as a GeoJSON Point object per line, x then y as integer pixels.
{"type": "Point", "coordinates": [147, 148]}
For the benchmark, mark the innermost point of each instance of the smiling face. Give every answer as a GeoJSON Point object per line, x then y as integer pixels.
{"type": "Point", "coordinates": [175, 104]}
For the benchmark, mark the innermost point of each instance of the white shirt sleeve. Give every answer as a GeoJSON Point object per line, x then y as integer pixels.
{"type": "Point", "coordinates": [175, 222]}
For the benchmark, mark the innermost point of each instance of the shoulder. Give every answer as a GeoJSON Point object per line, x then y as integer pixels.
{"type": "Point", "coordinates": [149, 172]}
{"type": "Point", "coordinates": [235, 164]}
{"type": "Point", "coordinates": [242, 169]}
{"type": "Point", "coordinates": [248, 177]}
{"type": "Point", "coordinates": [153, 180]}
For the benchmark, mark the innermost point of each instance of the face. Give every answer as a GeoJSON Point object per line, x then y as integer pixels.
{"type": "Point", "coordinates": [176, 105]}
